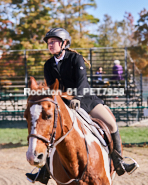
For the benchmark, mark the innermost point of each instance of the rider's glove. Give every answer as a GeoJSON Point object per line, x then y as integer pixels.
{"type": "Point", "coordinates": [74, 103]}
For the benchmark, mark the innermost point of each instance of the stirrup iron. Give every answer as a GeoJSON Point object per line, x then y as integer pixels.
{"type": "Point", "coordinates": [33, 181]}
{"type": "Point", "coordinates": [137, 165]}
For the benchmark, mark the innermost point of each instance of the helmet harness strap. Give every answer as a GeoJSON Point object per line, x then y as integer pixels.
{"type": "Point", "coordinates": [57, 55]}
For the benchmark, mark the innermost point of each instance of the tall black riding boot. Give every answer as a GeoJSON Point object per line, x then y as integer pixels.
{"type": "Point", "coordinates": [120, 166]}
{"type": "Point", "coordinates": [42, 177]}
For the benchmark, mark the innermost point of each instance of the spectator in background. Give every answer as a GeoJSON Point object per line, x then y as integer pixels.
{"type": "Point", "coordinates": [117, 71]}
{"type": "Point", "coordinates": [99, 75]}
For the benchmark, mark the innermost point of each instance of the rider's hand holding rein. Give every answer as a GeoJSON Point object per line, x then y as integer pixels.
{"type": "Point", "coordinates": [74, 103]}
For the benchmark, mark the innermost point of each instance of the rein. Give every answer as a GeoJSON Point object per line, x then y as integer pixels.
{"type": "Point", "coordinates": [52, 144]}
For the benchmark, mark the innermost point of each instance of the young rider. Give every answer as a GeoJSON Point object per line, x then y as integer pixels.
{"type": "Point", "coordinates": [68, 67]}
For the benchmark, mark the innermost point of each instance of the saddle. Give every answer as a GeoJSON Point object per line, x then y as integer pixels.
{"type": "Point", "coordinates": [98, 128]}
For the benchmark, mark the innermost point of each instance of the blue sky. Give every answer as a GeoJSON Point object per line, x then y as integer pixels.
{"type": "Point", "coordinates": [117, 8]}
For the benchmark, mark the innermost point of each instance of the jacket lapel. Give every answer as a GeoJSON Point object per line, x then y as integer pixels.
{"type": "Point", "coordinates": [55, 69]}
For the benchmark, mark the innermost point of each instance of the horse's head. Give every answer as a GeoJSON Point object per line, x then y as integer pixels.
{"type": "Point", "coordinates": [41, 115]}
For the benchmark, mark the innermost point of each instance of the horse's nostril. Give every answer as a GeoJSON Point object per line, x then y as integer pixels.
{"type": "Point", "coordinates": [40, 156]}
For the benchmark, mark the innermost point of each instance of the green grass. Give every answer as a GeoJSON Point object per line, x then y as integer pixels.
{"type": "Point", "coordinates": [134, 134]}
{"type": "Point", "coordinates": [128, 135]}
{"type": "Point", "coordinates": [13, 135]}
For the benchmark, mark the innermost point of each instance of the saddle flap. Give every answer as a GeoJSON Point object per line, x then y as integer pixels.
{"type": "Point", "coordinates": [99, 129]}
{"type": "Point", "coordinates": [106, 133]}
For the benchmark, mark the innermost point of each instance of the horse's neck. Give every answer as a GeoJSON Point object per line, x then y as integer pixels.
{"type": "Point", "coordinates": [72, 149]}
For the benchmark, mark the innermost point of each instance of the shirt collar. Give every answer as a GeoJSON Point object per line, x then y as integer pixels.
{"type": "Point", "coordinates": [58, 59]}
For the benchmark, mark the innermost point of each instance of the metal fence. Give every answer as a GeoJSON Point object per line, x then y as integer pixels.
{"type": "Point", "coordinates": [17, 66]}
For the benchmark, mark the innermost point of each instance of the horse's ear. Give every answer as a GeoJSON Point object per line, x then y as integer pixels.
{"type": "Point", "coordinates": [32, 83]}
{"type": "Point", "coordinates": [55, 85]}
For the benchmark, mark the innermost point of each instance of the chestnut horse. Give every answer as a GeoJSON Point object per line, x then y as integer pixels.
{"type": "Point", "coordinates": [76, 156]}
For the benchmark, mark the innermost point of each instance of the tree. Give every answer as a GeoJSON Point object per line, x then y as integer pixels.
{"type": "Point", "coordinates": [127, 28]}
{"type": "Point", "coordinates": [140, 52]}
{"type": "Point", "coordinates": [33, 18]}
{"type": "Point", "coordinates": [105, 32]}
{"type": "Point", "coordinates": [33, 24]}
{"type": "Point", "coordinates": [141, 34]}
{"type": "Point", "coordinates": [116, 34]}
{"type": "Point", "coordinates": [5, 33]}
{"type": "Point", "coordinates": [72, 15]}
{"type": "Point", "coordinates": [6, 26]}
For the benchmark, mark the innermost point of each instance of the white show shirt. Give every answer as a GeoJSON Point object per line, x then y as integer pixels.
{"type": "Point", "coordinates": [58, 59]}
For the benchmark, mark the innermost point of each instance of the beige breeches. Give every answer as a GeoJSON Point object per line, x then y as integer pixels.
{"type": "Point", "coordinates": [100, 112]}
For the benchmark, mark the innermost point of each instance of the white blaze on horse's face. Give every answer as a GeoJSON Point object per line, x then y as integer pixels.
{"type": "Point", "coordinates": [35, 111]}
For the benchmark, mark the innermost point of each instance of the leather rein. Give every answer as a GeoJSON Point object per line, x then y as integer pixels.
{"type": "Point", "coordinates": [52, 144]}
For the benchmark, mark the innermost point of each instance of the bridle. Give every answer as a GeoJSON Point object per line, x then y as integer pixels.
{"type": "Point", "coordinates": [51, 144]}
{"type": "Point", "coordinates": [53, 135]}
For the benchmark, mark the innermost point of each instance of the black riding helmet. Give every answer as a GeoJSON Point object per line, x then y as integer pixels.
{"type": "Point", "coordinates": [59, 33]}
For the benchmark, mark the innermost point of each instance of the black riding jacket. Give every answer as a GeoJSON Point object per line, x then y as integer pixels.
{"type": "Point", "coordinates": [71, 73]}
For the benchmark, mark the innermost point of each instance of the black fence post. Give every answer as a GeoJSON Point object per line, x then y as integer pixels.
{"type": "Point", "coordinates": [141, 88]}
{"type": "Point", "coordinates": [134, 76]}
{"type": "Point", "coordinates": [133, 73]}
{"type": "Point", "coordinates": [91, 72]}
{"type": "Point", "coordinates": [141, 99]}
{"type": "Point", "coordinates": [26, 73]}
{"type": "Point", "coordinates": [126, 84]}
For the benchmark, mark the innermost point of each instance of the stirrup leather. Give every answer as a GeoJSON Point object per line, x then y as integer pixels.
{"type": "Point", "coordinates": [33, 181]}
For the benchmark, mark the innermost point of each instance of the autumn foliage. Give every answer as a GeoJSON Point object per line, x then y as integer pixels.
{"type": "Point", "coordinates": [23, 25]}
{"type": "Point", "coordinates": [140, 52]}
